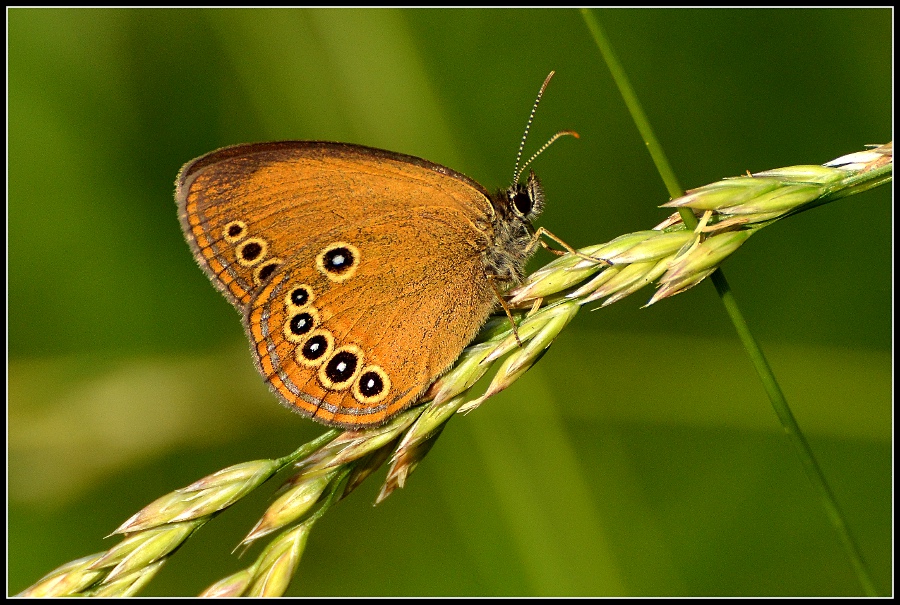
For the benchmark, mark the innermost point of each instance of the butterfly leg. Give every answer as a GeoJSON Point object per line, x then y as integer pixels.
{"type": "Point", "coordinates": [512, 321]}
{"type": "Point", "coordinates": [536, 239]}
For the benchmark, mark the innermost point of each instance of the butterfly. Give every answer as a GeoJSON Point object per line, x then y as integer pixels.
{"type": "Point", "coordinates": [360, 273]}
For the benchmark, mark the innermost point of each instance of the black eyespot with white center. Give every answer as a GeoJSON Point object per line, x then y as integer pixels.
{"type": "Point", "coordinates": [341, 368]}
{"type": "Point", "coordinates": [372, 386]}
{"type": "Point", "coordinates": [315, 348]}
{"type": "Point", "coordinates": [338, 261]}
{"type": "Point", "coordinates": [300, 296]}
{"type": "Point", "coordinates": [301, 323]}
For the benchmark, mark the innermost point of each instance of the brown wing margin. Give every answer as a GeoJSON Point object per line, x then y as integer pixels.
{"type": "Point", "coordinates": [190, 169]}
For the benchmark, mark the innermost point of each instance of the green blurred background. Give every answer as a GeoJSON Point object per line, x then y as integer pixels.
{"type": "Point", "coordinates": [640, 457]}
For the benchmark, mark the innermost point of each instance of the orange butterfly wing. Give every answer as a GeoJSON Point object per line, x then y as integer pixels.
{"type": "Point", "coordinates": [359, 272]}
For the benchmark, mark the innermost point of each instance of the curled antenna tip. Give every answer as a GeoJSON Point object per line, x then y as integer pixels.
{"type": "Point", "coordinates": [547, 79]}
{"type": "Point", "coordinates": [561, 133]}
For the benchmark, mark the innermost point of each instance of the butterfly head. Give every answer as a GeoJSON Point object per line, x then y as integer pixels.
{"type": "Point", "coordinates": [515, 207]}
{"type": "Point", "coordinates": [526, 200]}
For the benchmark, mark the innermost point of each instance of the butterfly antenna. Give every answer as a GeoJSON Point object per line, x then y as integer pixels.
{"type": "Point", "coordinates": [561, 133]}
{"type": "Point", "coordinates": [517, 172]}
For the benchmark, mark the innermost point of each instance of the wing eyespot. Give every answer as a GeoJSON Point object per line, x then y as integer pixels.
{"type": "Point", "coordinates": [252, 251]}
{"type": "Point", "coordinates": [299, 297]}
{"type": "Point", "coordinates": [300, 323]}
{"type": "Point", "coordinates": [372, 385]}
{"type": "Point", "coordinates": [234, 231]}
{"type": "Point", "coordinates": [342, 368]}
{"type": "Point", "coordinates": [338, 261]}
{"type": "Point", "coordinates": [315, 348]}
{"type": "Point", "coordinates": [263, 272]}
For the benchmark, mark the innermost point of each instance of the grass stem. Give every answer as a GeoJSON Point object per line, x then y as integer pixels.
{"type": "Point", "coordinates": [754, 351]}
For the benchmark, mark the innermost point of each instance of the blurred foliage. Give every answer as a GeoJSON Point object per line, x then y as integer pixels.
{"type": "Point", "coordinates": [610, 470]}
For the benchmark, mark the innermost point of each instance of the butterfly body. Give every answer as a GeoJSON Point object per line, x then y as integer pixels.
{"type": "Point", "coordinates": [360, 273]}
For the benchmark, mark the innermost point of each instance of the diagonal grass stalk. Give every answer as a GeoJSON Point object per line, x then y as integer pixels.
{"type": "Point", "coordinates": [754, 351]}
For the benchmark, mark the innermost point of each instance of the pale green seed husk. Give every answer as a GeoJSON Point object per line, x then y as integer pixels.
{"type": "Point", "coordinates": [291, 505]}
{"type": "Point", "coordinates": [128, 585]}
{"type": "Point", "coordinates": [277, 564]}
{"type": "Point", "coordinates": [231, 586]}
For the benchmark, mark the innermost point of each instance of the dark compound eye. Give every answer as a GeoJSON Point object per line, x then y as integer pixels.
{"type": "Point", "coordinates": [341, 367]}
{"type": "Point", "coordinates": [527, 199]}
{"type": "Point", "coordinates": [301, 323]}
{"type": "Point", "coordinates": [523, 202]}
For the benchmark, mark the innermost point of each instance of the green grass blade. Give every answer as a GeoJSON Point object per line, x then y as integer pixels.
{"type": "Point", "coordinates": [763, 369]}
